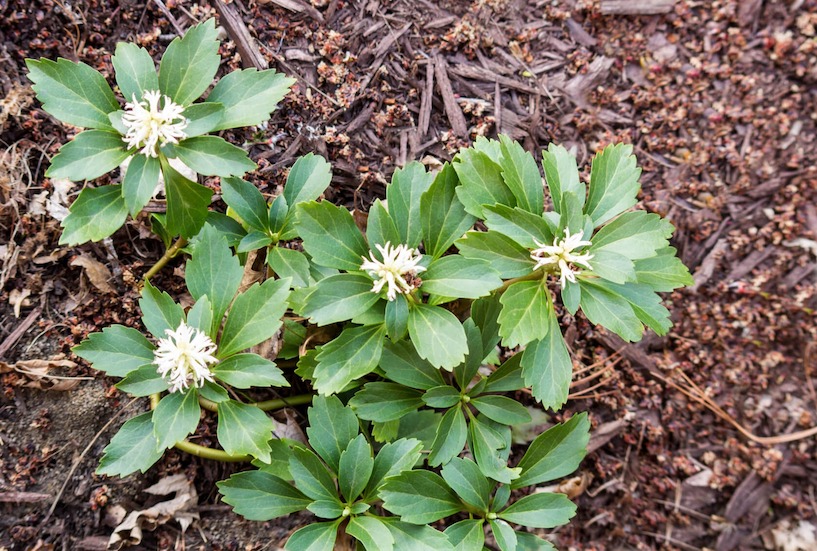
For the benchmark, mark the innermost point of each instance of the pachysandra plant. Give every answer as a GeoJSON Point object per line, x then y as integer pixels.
{"type": "Point", "coordinates": [160, 120]}
{"type": "Point", "coordinates": [416, 325]}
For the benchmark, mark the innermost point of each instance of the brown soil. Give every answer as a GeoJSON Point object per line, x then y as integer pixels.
{"type": "Point", "coordinates": [719, 99]}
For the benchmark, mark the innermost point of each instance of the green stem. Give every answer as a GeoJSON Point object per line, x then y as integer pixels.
{"type": "Point", "coordinates": [267, 405]}
{"type": "Point", "coordinates": [167, 257]}
{"type": "Point", "coordinates": [538, 274]}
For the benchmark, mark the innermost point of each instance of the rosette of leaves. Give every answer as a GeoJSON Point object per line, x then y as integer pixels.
{"type": "Point", "coordinates": [423, 214]}
{"type": "Point", "coordinates": [475, 411]}
{"type": "Point", "coordinates": [78, 95]}
{"type": "Point", "coordinates": [422, 497]}
{"type": "Point", "coordinates": [339, 480]}
{"type": "Point", "coordinates": [630, 259]}
{"type": "Point", "coordinates": [213, 276]}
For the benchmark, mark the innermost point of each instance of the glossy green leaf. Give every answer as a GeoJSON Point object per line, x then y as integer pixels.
{"type": "Point", "coordinates": [505, 255]}
{"type": "Point", "coordinates": [117, 350]}
{"type": "Point", "coordinates": [291, 264]}
{"type": "Point", "coordinates": [187, 203]}
{"type": "Point", "coordinates": [248, 370]}
{"type": "Point", "coordinates": [467, 535]}
{"type": "Point", "coordinates": [253, 241]}
{"type": "Point", "coordinates": [385, 401]}
{"type": "Point", "coordinates": [543, 510]}
{"type": "Point", "coordinates": [314, 537]}
{"type": "Point", "coordinates": [521, 175]}
{"type": "Point", "coordinates": [503, 534]}
{"type": "Point", "coordinates": [437, 335]}
{"type": "Point", "coordinates": [323, 508]}
{"type": "Point", "coordinates": [444, 396]}
{"type": "Point", "coordinates": [89, 155]}
{"type": "Point", "coordinates": [562, 174]}
{"type": "Point", "coordinates": [501, 409]}
{"type": "Point", "coordinates": [397, 312]}
{"type": "Point", "coordinates": [135, 71]}
{"type": "Point", "coordinates": [380, 228]}
{"type": "Point", "coordinates": [190, 63]}
{"type": "Point", "coordinates": [133, 448]}
{"type": "Point", "coordinates": [331, 427]}
{"type": "Point", "coordinates": [176, 416]}
{"type": "Point", "coordinates": [257, 495]}
{"type": "Point", "coordinates": [339, 297]}
{"type": "Point", "coordinates": [202, 118]}
{"type": "Point", "coordinates": [72, 92]}
{"type": "Point", "coordinates": [371, 532]}
{"type": "Point", "coordinates": [403, 195]}
{"type": "Point", "coordinates": [143, 381]}
{"type": "Point", "coordinates": [490, 443]}
{"type": "Point", "coordinates": [635, 235]}
{"type": "Point", "coordinates": [244, 430]}
{"type": "Point", "coordinates": [465, 478]}
{"type": "Point", "coordinates": [255, 316]}
{"type": "Point", "coordinates": [547, 367]}
{"type": "Point", "coordinates": [521, 226]}
{"type": "Point", "coordinates": [249, 96]}
{"type": "Point", "coordinates": [247, 202]}
{"type": "Point", "coordinates": [403, 365]}
{"type": "Point", "coordinates": [307, 180]}
{"type": "Point", "coordinates": [213, 156]}
{"type": "Point", "coordinates": [392, 459]}
{"type": "Point", "coordinates": [140, 181]}
{"type": "Point", "coordinates": [524, 313]}
{"type": "Point", "coordinates": [443, 217]}
{"type": "Point", "coordinates": [663, 272]}
{"type": "Point", "coordinates": [160, 312]}
{"type": "Point", "coordinates": [419, 497]}
{"type": "Point", "coordinates": [609, 309]}
{"type": "Point", "coordinates": [356, 465]}
{"type": "Point", "coordinates": [450, 438]}
{"type": "Point", "coordinates": [353, 354]}
{"type": "Point", "coordinates": [481, 182]}
{"type": "Point", "coordinates": [459, 277]}
{"type": "Point", "coordinates": [200, 315]}
{"type": "Point", "coordinates": [410, 537]}
{"type": "Point", "coordinates": [555, 453]}
{"type": "Point", "coordinates": [613, 183]}
{"type": "Point", "coordinates": [508, 377]}
{"type": "Point", "coordinates": [311, 476]}
{"type": "Point", "coordinates": [330, 236]}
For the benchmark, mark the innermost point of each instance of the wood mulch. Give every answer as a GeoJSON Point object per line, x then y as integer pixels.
{"type": "Point", "coordinates": [719, 100]}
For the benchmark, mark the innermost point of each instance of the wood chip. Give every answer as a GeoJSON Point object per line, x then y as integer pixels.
{"type": "Point", "coordinates": [452, 108]}
{"type": "Point", "coordinates": [239, 33]}
{"type": "Point", "coordinates": [636, 7]}
{"type": "Point", "coordinates": [424, 118]}
{"type": "Point", "coordinates": [480, 73]}
{"type": "Point", "coordinates": [297, 7]}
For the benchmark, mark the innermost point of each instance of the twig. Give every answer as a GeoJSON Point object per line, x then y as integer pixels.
{"type": "Point", "coordinates": [169, 16]}
{"type": "Point", "coordinates": [167, 257]}
{"type": "Point", "coordinates": [20, 330]}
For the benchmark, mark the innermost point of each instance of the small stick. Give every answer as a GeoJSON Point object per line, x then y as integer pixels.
{"type": "Point", "coordinates": [169, 16]}
{"type": "Point", "coordinates": [167, 257]}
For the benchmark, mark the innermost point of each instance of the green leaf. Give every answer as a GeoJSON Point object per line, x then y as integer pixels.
{"type": "Point", "coordinates": [176, 416]}
{"type": "Point", "coordinates": [521, 175]}
{"type": "Point", "coordinates": [72, 92]}
{"type": "Point", "coordinates": [252, 241]}
{"type": "Point", "coordinates": [213, 271]}
{"type": "Point", "coordinates": [635, 235]}
{"type": "Point", "coordinates": [311, 476]}
{"type": "Point", "coordinates": [645, 304]}
{"type": "Point", "coordinates": [353, 354]}
{"type": "Point", "coordinates": [135, 71]}
{"type": "Point", "coordinates": [505, 255]}
{"type": "Point", "coordinates": [465, 478]}
{"type": "Point", "coordinates": [501, 409]}
{"type": "Point", "coordinates": [331, 427]}
{"type": "Point", "coordinates": [508, 377]}
{"type": "Point", "coordinates": [187, 203]}
{"type": "Point", "coordinates": [467, 535]}
{"type": "Point", "coordinates": [117, 350]}
{"type": "Point", "coordinates": [450, 438]}
{"type": "Point", "coordinates": [330, 236]}
{"type": "Point", "coordinates": [371, 532]}
{"type": "Point", "coordinates": [244, 430]}
{"type": "Point", "coordinates": [547, 367]}
{"type": "Point", "coordinates": [442, 215]}
{"type": "Point", "coordinates": [419, 497]}
{"type": "Point", "coordinates": [247, 202]}
{"type": "Point", "coordinates": [466, 371]}
{"type": "Point", "coordinates": [608, 309]}
{"type": "Point", "coordinates": [190, 63]}
{"type": "Point", "coordinates": [143, 381]}
{"type": "Point", "coordinates": [524, 313]}
{"type": "Point", "coordinates": [663, 272]}
{"type": "Point", "coordinates": [459, 277]}
{"type": "Point", "coordinates": [410, 537]}
{"type": "Point", "coordinates": [521, 226]}
{"type": "Point", "coordinates": [255, 316]}
{"type": "Point", "coordinates": [213, 156]}
{"type": "Point", "coordinates": [289, 263]}
{"type": "Point", "coordinates": [613, 267]}
{"type": "Point", "coordinates": [562, 175]}
{"type": "Point", "coordinates": [555, 453]}
{"type": "Point", "coordinates": [256, 495]}
{"type": "Point", "coordinates": [202, 118]}
{"type": "Point", "coordinates": [89, 155]}
{"type": "Point", "coordinates": [213, 392]}
{"type": "Point", "coordinates": [491, 448]}
{"type": "Point", "coordinates": [383, 402]}
{"type": "Point", "coordinates": [307, 180]}
{"type": "Point", "coordinates": [403, 365]}
{"type": "Point", "coordinates": [323, 508]}
{"type": "Point", "coordinates": [314, 537]}
{"type": "Point", "coordinates": [160, 312]}
{"type": "Point", "coordinates": [380, 228]}
{"type": "Point", "coordinates": [133, 448]}
{"type": "Point", "coordinates": [279, 216]}
{"type": "Point", "coordinates": [356, 464]}
{"type": "Point", "coordinates": [571, 217]}
{"type": "Point", "coordinates": [249, 96]}
{"type": "Point", "coordinates": [613, 183]}
{"type": "Point", "coordinates": [571, 296]}
{"type": "Point", "coordinates": [444, 396]}
{"type": "Point", "coordinates": [392, 459]}
{"type": "Point", "coordinates": [226, 226]}
{"type": "Point", "coordinates": [543, 510]}
{"type": "Point", "coordinates": [485, 312]}
{"type": "Point", "coordinates": [437, 335]}
{"type": "Point", "coordinates": [397, 312]}
{"type": "Point", "coordinates": [140, 182]}
{"type": "Point", "coordinates": [526, 541]}
{"type": "Point", "coordinates": [200, 315]}
{"type": "Point", "coordinates": [481, 182]}
{"type": "Point", "coordinates": [248, 370]}
{"type": "Point", "coordinates": [503, 534]}
{"type": "Point", "coordinates": [403, 195]}
{"type": "Point", "coordinates": [338, 298]}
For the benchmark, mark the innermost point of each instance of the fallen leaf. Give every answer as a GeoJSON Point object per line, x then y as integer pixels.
{"type": "Point", "coordinates": [36, 374]}
{"type": "Point", "coordinates": [18, 299]}
{"type": "Point", "coordinates": [98, 274]}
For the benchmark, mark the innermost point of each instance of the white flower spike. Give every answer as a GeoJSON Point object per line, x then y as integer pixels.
{"type": "Point", "coordinates": [561, 253]}
{"type": "Point", "coordinates": [397, 262]}
{"type": "Point", "coordinates": [149, 126]}
{"type": "Point", "coordinates": [184, 357]}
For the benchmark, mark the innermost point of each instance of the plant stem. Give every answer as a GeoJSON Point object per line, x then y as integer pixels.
{"type": "Point", "coordinates": [267, 405]}
{"type": "Point", "coordinates": [167, 257]}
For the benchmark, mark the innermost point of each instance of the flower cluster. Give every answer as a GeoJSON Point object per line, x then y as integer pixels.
{"type": "Point", "coordinates": [149, 126]}
{"type": "Point", "coordinates": [561, 253]}
{"type": "Point", "coordinates": [398, 262]}
{"type": "Point", "coordinates": [184, 357]}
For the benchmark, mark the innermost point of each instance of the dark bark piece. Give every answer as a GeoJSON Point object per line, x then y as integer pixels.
{"type": "Point", "coordinates": [636, 7]}
{"type": "Point", "coordinates": [239, 33]}
{"type": "Point", "coordinates": [452, 108]}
